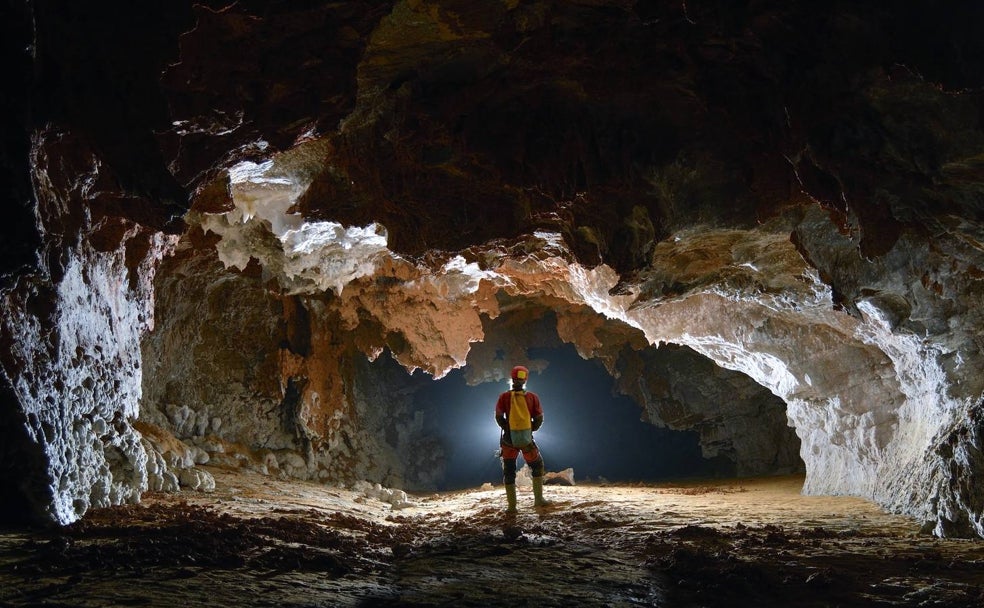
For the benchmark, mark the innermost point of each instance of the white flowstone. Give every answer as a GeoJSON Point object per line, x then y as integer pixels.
{"type": "Point", "coordinates": [524, 478]}
{"type": "Point", "coordinates": [373, 491]}
{"type": "Point", "coordinates": [79, 382]}
{"type": "Point", "coordinates": [565, 477]}
{"type": "Point", "coordinates": [311, 256]}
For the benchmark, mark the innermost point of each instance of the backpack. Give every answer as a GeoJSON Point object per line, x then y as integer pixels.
{"type": "Point", "coordinates": [520, 425]}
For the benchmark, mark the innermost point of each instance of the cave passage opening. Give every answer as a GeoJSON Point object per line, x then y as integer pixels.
{"type": "Point", "coordinates": [587, 426]}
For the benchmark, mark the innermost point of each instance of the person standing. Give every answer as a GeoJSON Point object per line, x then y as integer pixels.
{"type": "Point", "coordinates": [518, 413]}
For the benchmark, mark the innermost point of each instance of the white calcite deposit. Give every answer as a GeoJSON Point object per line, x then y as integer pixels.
{"type": "Point", "coordinates": [304, 256]}
{"type": "Point", "coordinates": [81, 376]}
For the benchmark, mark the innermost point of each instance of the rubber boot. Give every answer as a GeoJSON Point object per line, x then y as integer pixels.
{"type": "Point", "coordinates": [538, 499]}
{"type": "Point", "coordinates": [510, 497]}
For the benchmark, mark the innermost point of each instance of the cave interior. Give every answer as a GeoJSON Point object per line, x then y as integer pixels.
{"type": "Point", "coordinates": [309, 240]}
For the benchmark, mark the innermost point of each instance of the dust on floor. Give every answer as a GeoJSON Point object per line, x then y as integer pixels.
{"type": "Point", "coordinates": [257, 541]}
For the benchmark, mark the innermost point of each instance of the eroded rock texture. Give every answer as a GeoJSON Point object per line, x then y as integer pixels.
{"type": "Point", "coordinates": [71, 344]}
{"type": "Point", "coordinates": [791, 191]}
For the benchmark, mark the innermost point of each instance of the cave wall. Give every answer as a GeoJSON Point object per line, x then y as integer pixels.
{"type": "Point", "coordinates": [737, 418]}
{"type": "Point", "coordinates": [212, 364]}
{"type": "Point", "coordinates": [275, 383]}
{"type": "Point", "coordinates": [71, 345]}
{"type": "Point", "coordinates": [296, 397]}
{"type": "Point", "coordinates": [870, 399]}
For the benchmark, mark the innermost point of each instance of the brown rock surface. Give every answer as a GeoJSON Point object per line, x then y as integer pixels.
{"type": "Point", "coordinates": [258, 541]}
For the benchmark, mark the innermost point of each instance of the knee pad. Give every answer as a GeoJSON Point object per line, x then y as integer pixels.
{"type": "Point", "coordinates": [538, 468]}
{"type": "Point", "coordinates": [508, 471]}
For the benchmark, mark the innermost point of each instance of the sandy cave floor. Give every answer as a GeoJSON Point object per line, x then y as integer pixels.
{"type": "Point", "coordinates": [257, 541]}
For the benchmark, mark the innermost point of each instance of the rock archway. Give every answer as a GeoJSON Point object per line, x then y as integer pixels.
{"type": "Point", "coordinates": [868, 401]}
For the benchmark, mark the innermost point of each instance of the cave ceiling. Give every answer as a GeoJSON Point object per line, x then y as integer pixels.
{"type": "Point", "coordinates": [613, 124]}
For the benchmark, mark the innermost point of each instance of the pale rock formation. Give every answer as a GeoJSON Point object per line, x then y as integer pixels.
{"type": "Point", "coordinates": [171, 462]}
{"type": "Point", "coordinates": [524, 479]}
{"type": "Point", "coordinates": [196, 479]}
{"type": "Point", "coordinates": [560, 478]}
{"type": "Point", "coordinates": [304, 256]}
{"type": "Point", "coordinates": [72, 341]}
{"type": "Point", "coordinates": [919, 306]}
{"type": "Point", "coordinates": [160, 478]}
{"type": "Point", "coordinates": [396, 498]}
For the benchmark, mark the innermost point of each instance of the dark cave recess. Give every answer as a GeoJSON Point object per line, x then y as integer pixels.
{"type": "Point", "coordinates": [588, 426]}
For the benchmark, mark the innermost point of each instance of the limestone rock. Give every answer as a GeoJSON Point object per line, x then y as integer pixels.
{"type": "Point", "coordinates": [524, 478]}
{"type": "Point", "coordinates": [396, 498]}
{"type": "Point", "coordinates": [72, 339]}
{"type": "Point", "coordinates": [735, 416]}
{"type": "Point", "coordinates": [159, 476]}
{"type": "Point", "coordinates": [171, 462]}
{"type": "Point", "coordinates": [196, 479]}
{"type": "Point", "coordinates": [562, 478]}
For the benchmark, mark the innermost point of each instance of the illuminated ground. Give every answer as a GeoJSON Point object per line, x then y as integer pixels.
{"type": "Point", "coordinates": [262, 542]}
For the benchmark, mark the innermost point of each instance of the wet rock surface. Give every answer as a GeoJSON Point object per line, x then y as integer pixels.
{"type": "Point", "coordinates": [258, 542]}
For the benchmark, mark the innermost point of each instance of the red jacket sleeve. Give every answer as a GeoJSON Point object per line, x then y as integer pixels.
{"type": "Point", "coordinates": [502, 405]}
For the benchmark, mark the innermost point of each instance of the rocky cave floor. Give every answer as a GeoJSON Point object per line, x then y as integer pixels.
{"type": "Point", "coordinates": [257, 541]}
